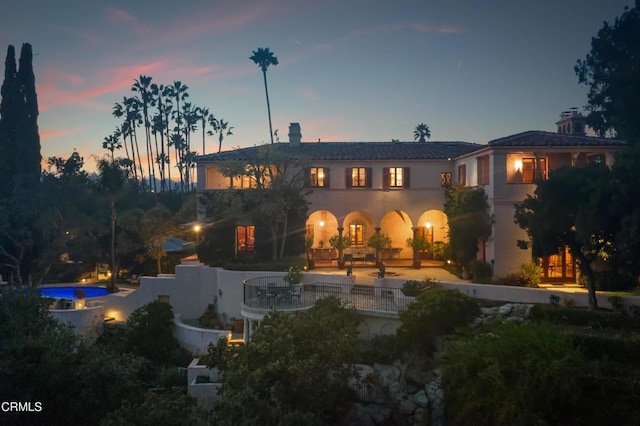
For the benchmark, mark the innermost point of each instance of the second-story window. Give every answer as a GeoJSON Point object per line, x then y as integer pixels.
{"type": "Point", "coordinates": [319, 177]}
{"type": "Point", "coordinates": [462, 175]}
{"type": "Point", "coordinates": [530, 171]}
{"type": "Point", "coordinates": [483, 170]}
{"type": "Point", "coordinates": [395, 177]}
{"type": "Point", "coordinates": [445, 179]}
{"type": "Point", "coordinates": [358, 177]}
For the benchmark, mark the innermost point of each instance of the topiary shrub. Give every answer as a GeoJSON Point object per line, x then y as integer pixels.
{"type": "Point", "coordinates": [435, 312]}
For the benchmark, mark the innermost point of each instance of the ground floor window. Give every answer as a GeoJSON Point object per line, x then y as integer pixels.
{"type": "Point", "coordinates": [356, 234]}
{"type": "Point", "coordinates": [245, 238]}
{"type": "Point", "coordinates": [559, 266]}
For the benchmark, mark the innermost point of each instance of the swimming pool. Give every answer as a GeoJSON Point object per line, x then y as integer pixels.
{"type": "Point", "coordinates": [69, 292]}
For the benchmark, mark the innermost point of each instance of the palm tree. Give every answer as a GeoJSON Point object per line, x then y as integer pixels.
{"type": "Point", "coordinates": [220, 126]}
{"type": "Point", "coordinates": [202, 114]}
{"type": "Point", "coordinates": [421, 132]}
{"type": "Point", "coordinates": [144, 100]}
{"type": "Point", "coordinates": [112, 142]}
{"type": "Point", "coordinates": [112, 177]}
{"type": "Point", "coordinates": [263, 57]}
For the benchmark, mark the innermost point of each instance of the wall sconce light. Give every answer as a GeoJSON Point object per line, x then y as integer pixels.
{"type": "Point", "coordinates": [428, 225]}
{"type": "Point", "coordinates": [322, 223]}
{"type": "Point", "coordinates": [220, 292]}
{"type": "Point", "coordinates": [518, 165]}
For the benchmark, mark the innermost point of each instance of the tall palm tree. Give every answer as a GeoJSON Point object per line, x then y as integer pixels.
{"type": "Point", "coordinates": [145, 99]}
{"type": "Point", "coordinates": [112, 177]}
{"type": "Point", "coordinates": [421, 132]}
{"type": "Point", "coordinates": [112, 142]}
{"type": "Point", "coordinates": [263, 57]}
{"type": "Point", "coordinates": [202, 114]}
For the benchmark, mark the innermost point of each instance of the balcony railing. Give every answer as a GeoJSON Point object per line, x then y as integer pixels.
{"type": "Point", "coordinates": [274, 294]}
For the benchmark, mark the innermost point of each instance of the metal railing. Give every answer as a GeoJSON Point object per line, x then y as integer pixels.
{"type": "Point", "coordinates": [274, 294]}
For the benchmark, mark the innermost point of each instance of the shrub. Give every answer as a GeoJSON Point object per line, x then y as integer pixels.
{"type": "Point", "coordinates": [414, 287]}
{"type": "Point", "coordinates": [584, 317]}
{"type": "Point", "coordinates": [533, 271]}
{"type": "Point", "coordinates": [613, 281]}
{"type": "Point", "coordinates": [481, 272]}
{"type": "Point", "coordinates": [617, 303]}
{"type": "Point", "coordinates": [517, 375]}
{"type": "Point", "coordinates": [150, 332]}
{"type": "Point", "coordinates": [517, 279]}
{"type": "Point", "coordinates": [435, 312]}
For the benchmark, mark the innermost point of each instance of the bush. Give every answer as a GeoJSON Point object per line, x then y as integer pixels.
{"type": "Point", "coordinates": [583, 317]}
{"type": "Point", "coordinates": [435, 312]}
{"type": "Point", "coordinates": [533, 271]}
{"type": "Point", "coordinates": [517, 279]}
{"type": "Point", "coordinates": [150, 332]}
{"type": "Point", "coordinates": [517, 375]}
{"type": "Point", "coordinates": [613, 281]}
{"type": "Point", "coordinates": [414, 287]}
{"type": "Point", "coordinates": [481, 272]}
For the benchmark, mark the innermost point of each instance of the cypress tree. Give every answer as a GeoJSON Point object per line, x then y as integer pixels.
{"type": "Point", "coordinates": [8, 114]}
{"type": "Point", "coordinates": [28, 142]}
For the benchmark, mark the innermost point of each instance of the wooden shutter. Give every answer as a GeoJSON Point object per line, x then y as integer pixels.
{"type": "Point", "coordinates": [307, 177]}
{"type": "Point", "coordinates": [348, 182]}
{"type": "Point", "coordinates": [369, 176]}
{"type": "Point", "coordinates": [386, 178]}
{"type": "Point", "coordinates": [406, 177]}
{"type": "Point", "coordinates": [326, 178]}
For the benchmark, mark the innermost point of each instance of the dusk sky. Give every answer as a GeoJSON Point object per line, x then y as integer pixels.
{"type": "Point", "coordinates": [350, 70]}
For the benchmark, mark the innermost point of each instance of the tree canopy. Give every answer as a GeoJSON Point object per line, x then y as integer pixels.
{"type": "Point", "coordinates": [572, 208]}
{"type": "Point", "coordinates": [610, 71]}
{"type": "Point", "coordinates": [295, 371]}
{"type": "Point", "coordinates": [470, 221]}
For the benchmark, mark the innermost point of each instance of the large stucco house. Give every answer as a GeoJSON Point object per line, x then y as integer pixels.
{"type": "Point", "coordinates": [398, 188]}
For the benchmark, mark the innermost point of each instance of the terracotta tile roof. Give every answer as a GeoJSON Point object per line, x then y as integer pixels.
{"type": "Point", "coordinates": [535, 138]}
{"type": "Point", "coordinates": [333, 151]}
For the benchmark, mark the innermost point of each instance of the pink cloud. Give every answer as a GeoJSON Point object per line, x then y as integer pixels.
{"type": "Point", "coordinates": [308, 93]}
{"type": "Point", "coordinates": [122, 17]}
{"type": "Point", "coordinates": [426, 28]}
{"type": "Point", "coordinates": [57, 133]}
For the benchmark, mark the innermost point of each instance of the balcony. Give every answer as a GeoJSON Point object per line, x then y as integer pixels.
{"type": "Point", "coordinates": [272, 294]}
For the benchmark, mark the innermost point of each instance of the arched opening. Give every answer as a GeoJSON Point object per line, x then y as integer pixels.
{"type": "Point", "coordinates": [398, 225]}
{"type": "Point", "coordinates": [321, 226]}
{"type": "Point", "coordinates": [434, 226]}
{"type": "Point", "coordinates": [358, 227]}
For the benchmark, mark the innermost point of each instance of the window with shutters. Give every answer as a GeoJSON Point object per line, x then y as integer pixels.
{"type": "Point", "coordinates": [483, 170]}
{"type": "Point", "coordinates": [358, 177]}
{"type": "Point", "coordinates": [395, 177]}
{"type": "Point", "coordinates": [445, 179]}
{"type": "Point", "coordinates": [462, 175]}
{"type": "Point", "coordinates": [319, 177]}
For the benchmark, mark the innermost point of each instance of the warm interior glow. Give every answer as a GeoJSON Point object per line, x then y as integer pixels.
{"type": "Point", "coordinates": [196, 228]}
{"type": "Point", "coordinates": [518, 165]}
{"type": "Point", "coordinates": [428, 225]}
{"type": "Point", "coordinates": [322, 223]}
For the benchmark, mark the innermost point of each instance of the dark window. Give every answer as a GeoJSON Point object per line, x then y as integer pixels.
{"type": "Point", "coordinates": [462, 175]}
{"type": "Point", "coordinates": [483, 170]}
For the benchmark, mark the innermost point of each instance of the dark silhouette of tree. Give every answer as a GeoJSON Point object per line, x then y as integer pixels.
{"type": "Point", "coordinates": [222, 128]}
{"type": "Point", "coordinates": [144, 100]}
{"type": "Point", "coordinates": [572, 208]}
{"type": "Point", "coordinates": [611, 70]}
{"type": "Point", "coordinates": [112, 178]}
{"type": "Point", "coordinates": [421, 132]}
{"type": "Point", "coordinates": [111, 143]}
{"type": "Point", "coordinates": [21, 238]}
{"type": "Point", "coordinates": [263, 58]}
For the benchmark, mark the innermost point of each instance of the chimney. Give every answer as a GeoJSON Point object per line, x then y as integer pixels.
{"type": "Point", "coordinates": [295, 136]}
{"type": "Point", "coordinates": [571, 123]}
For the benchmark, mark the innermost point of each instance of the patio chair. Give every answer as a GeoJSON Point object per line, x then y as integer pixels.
{"type": "Point", "coordinates": [370, 257]}
{"type": "Point", "coordinates": [348, 258]}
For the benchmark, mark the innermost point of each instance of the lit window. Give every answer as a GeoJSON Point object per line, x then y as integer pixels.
{"type": "Point", "coordinates": [358, 177]}
{"type": "Point", "coordinates": [530, 172]}
{"type": "Point", "coordinates": [445, 179]}
{"type": "Point", "coordinates": [396, 177]}
{"type": "Point", "coordinates": [245, 238]}
{"type": "Point", "coordinates": [317, 177]}
{"type": "Point", "coordinates": [356, 234]}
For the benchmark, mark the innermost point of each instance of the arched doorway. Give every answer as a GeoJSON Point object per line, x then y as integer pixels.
{"type": "Point", "coordinates": [398, 225]}
{"type": "Point", "coordinates": [321, 226]}
{"type": "Point", "coordinates": [434, 226]}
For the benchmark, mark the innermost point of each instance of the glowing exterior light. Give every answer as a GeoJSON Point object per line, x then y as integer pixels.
{"type": "Point", "coordinates": [322, 223]}
{"type": "Point", "coordinates": [518, 165]}
{"type": "Point", "coordinates": [428, 225]}
{"type": "Point", "coordinates": [196, 228]}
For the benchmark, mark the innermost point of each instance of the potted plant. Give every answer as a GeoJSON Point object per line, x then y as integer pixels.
{"type": "Point", "coordinates": [321, 243]}
{"type": "Point", "coordinates": [418, 244]}
{"type": "Point", "coordinates": [308, 244]}
{"type": "Point", "coordinates": [414, 287]}
{"type": "Point", "coordinates": [294, 276]}
{"type": "Point", "coordinates": [340, 243]}
{"type": "Point", "coordinates": [379, 241]}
